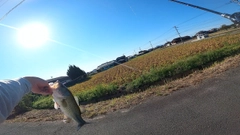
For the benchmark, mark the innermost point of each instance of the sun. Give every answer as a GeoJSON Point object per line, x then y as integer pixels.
{"type": "Point", "coordinates": [33, 35]}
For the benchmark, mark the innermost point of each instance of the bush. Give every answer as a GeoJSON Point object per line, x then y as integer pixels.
{"type": "Point", "coordinates": [24, 105]}
{"type": "Point", "coordinates": [43, 103]}
{"type": "Point", "coordinates": [99, 91]}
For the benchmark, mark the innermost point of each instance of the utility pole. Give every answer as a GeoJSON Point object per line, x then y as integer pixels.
{"type": "Point", "coordinates": [178, 34]}
{"type": "Point", "coordinates": [151, 44]}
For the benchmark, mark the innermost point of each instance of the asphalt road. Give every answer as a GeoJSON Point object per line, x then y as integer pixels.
{"type": "Point", "coordinates": [211, 108]}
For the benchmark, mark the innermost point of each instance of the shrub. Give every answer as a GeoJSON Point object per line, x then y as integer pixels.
{"type": "Point", "coordinates": [43, 103]}
{"type": "Point", "coordinates": [24, 105]}
{"type": "Point", "coordinates": [99, 91]}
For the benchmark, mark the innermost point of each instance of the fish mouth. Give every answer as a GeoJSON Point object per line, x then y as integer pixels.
{"type": "Point", "coordinates": [55, 89]}
{"type": "Point", "coordinates": [58, 93]}
{"type": "Point", "coordinates": [55, 85]}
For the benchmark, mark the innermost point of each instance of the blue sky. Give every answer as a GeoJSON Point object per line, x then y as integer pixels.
{"type": "Point", "coordinates": [87, 33]}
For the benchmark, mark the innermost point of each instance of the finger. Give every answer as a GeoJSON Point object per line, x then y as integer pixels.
{"type": "Point", "coordinates": [46, 90]}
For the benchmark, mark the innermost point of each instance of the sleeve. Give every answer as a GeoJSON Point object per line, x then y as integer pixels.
{"type": "Point", "coordinates": [11, 93]}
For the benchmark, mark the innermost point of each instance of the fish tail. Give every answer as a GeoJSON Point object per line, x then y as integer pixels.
{"type": "Point", "coordinates": [81, 124]}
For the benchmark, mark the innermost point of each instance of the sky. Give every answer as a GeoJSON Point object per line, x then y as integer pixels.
{"type": "Point", "coordinates": [87, 33]}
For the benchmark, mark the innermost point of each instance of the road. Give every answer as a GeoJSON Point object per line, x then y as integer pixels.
{"type": "Point", "coordinates": [210, 108]}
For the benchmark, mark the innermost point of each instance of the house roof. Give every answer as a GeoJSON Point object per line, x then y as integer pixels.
{"type": "Point", "coordinates": [61, 79]}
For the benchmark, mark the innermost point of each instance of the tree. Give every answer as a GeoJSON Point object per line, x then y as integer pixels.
{"type": "Point", "coordinates": [75, 72]}
{"type": "Point", "coordinates": [225, 27]}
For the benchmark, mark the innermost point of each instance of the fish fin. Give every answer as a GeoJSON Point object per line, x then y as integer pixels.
{"type": "Point", "coordinates": [82, 109]}
{"type": "Point", "coordinates": [66, 119]}
{"type": "Point", "coordinates": [76, 99]}
{"type": "Point", "coordinates": [56, 106]}
{"type": "Point", "coordinates": [80, 125]}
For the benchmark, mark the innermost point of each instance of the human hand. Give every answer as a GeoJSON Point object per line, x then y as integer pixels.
{"type": "Point", "coordinates": [39, 86]}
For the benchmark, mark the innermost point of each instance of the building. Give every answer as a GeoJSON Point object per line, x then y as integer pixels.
{"type": "Point", "coordinates": [106, 66]}
{"type": "Point", "coordinates": [201, 36]}
{"type": "Point", "coordinates": [121, 59]}
{"type": "Point", "coordinates": [180, 39]}
{"type": "Point", "coordinates": [62, 79]}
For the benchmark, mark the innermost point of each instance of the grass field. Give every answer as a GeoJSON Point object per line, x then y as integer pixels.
{"type": "Point", "coordinates": [151, 68]}
{"type": "Point", "coordinates": [155, 73]}
{"type": "Point", "coordinates": [157, 59]}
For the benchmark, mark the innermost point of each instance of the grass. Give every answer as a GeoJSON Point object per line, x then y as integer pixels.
{"type": "Point", "coordinates": [164, 64]}
{"type": "Point", "coordinates": [43, 103]}
{"type": "Point", "coordinates": [134, 89]}
{"type": "Point", "coordinates": [159, 74]}
{"type": "Point", "coordinates": [98, 92]}
{"type": "Point", "coordinates": [125, 102]}
{"type": "Point", "coordinates": [182, 66]}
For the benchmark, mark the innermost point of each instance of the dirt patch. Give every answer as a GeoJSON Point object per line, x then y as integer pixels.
{"type": "Point", "coordinates": [101, 108]}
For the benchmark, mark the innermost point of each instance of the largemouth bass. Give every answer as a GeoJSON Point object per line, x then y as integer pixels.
{"type": "Point", "coordinates": [64, 98]}
{"type": "Point", "coordinates": [65, 118]}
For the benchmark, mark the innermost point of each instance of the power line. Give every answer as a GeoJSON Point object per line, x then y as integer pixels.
{"type": "Point", "coordinates": [4, 3]}
{"type": "Point", "coordinates": [203, 25]}
{"type": "Point", "coordinates": [11, 10]}
{"type": "Point", "coordinates": [204, 13]}
{"type": "Point", "coordinates": [189, 20]}
{"type": "Point", "coordinates": [235, 1]}
{"type": "Point", "coordinates": [206, 22]}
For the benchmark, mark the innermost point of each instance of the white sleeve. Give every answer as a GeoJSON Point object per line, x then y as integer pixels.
{"type": "Point", "coordinates": [11, 93]}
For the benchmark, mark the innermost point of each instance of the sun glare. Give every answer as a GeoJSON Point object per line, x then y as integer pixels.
{"type": "Point", "coordinates": [33, 35]}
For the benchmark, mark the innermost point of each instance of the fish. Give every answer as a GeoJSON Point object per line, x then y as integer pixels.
{"type": "Point", "coordinates": [67, 103]}
{"type": "Point", "coordinates": [65, 118]}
